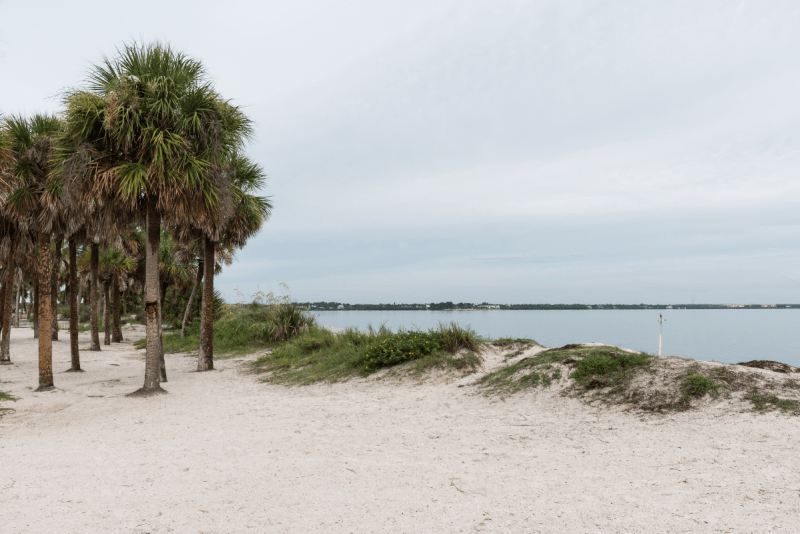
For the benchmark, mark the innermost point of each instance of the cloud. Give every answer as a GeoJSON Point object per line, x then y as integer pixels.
{"type": "Point", "coordinates": [498, 151]}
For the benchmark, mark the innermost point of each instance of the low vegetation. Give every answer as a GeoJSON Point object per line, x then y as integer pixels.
{"type": "Point", "coordinates": [696, 385]}
{"type": "Point", "coordinates": [6, 397]}
{"type": "Point", "coordinates": [591, 368]}
{"type": "Point", "coordinates": [649, 383]}
{"type": "Point", "coordinates": [767, 403]}
{"type": "Point", "coordinates": [318, 355]}
{"type": "Point", "coordinates": [241, 328]}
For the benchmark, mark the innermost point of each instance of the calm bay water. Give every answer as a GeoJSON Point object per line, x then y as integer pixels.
{"type": "Point", "coordinates": [729, 336]}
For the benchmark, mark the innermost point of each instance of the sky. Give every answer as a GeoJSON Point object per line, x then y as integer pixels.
{"type": "Point", "coordinates": [499, 151]}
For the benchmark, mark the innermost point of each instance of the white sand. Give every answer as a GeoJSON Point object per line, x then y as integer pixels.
{"type": "Point", "coordinates": [223, 453]}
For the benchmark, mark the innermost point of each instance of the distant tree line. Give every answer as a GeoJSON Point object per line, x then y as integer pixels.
{"type": "Point", "coordinates": [449, 305]}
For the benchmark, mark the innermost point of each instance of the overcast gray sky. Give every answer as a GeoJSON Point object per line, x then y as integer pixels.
{"type": "Point", "coordinates": [419, 151]}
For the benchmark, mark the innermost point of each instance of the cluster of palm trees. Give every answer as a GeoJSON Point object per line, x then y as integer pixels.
{"type": "Point", "coordinates": [149, 144]}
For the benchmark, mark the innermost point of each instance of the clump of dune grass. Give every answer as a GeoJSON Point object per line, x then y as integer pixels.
{"type": "Point", "coordinates": [318, 355]}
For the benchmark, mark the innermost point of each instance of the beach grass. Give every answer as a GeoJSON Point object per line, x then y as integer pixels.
{"type": "Point", "coordinates": [319, 355]}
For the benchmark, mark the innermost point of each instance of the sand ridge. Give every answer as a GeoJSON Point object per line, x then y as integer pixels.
{"type": "Point", "coordinates": [224, 453]}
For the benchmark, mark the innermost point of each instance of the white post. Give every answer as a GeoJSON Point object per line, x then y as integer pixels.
{"type": "Point", "coordinates": [660, 329]}
{"type": "Point", "coordinates": [659, 345]}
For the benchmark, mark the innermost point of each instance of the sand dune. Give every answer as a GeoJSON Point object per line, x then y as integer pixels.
{"type": "Point", "coordinates": [224, 453]}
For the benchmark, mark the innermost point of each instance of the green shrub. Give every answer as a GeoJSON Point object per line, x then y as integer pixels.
{"type": "Point", "coordinates": [399, 348]}
{"type": "Point", "coordinates": [607, 363]}
{"type": "Point", "coordinates": [698, 385]}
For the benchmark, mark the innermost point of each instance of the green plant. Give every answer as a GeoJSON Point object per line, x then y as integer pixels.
{"type": "Point", "coordinates": [398, 348]}
{"type": "Point", "coordinates": [600, 366]}
{"type": "Point", "coordinates": [696, 385]}
{"type": "Point", "coordinates": [765, 403]}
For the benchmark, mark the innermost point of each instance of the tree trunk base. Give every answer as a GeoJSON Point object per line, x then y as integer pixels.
{"type": "Point", "coordinates": [74, 370]}
{"type": "Point", "coordinates": [6, 363]}
{"type": "Point", "coordinates": [144, 393]}
{"type": "Point", "coordinates": [44, 388]}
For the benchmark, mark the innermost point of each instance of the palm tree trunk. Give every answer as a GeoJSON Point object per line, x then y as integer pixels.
{"type": "Point", "coordinates": [45, 319]}
{"type": "Point", "coordinates": [125, 303]}
{"type": "Point", "coordinates": [162, 359]}
{"type": "Point", "coordinates": [152, 370]}
{"type": "Point", "coordinates": [205, 357]}
{"type": "Point", "coordinates": [116, 333]}
{"type": "Point", "coordinates": [107, 312]}
{"type": "Point", "coordinates": [197, 280]}
{"type": "Point", "coordinates": [5, 351]}
{"type": "Point", "coordinates": [3, 292]}
{"type": "Point", "coordinates": [16, 306]}
{"type": "Point", "coordinates": [93, 290]}
{"type": "Point", "coordinates": [35, 307]}
{"type": "Point", "coordinates": [74, 301]}
{"type": "Point", "coordinates": [54, 289]}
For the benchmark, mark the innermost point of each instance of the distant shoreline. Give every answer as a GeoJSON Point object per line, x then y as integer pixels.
{"type": "Point", "coordinates": [449, 306]}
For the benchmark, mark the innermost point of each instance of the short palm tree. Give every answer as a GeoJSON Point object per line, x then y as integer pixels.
{"type": "Point", "coordinates": [114, 263]}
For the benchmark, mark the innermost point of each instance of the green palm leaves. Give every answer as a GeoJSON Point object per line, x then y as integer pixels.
{"type": "Point", "coordinates": [29, 184]}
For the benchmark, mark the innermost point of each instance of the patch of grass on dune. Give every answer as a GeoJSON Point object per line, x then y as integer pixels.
{"type": "Point", "coordinates": [767, 403]}
{"type": "Point", "coordinates": [594, 368]}
{"type": "Point", "coordinates": [514, 346]}
{"type": "Point", "coordinates": [318, 355]}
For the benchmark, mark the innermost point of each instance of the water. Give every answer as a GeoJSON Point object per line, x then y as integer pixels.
{"type": "Point", "coordinates": [728, 336]}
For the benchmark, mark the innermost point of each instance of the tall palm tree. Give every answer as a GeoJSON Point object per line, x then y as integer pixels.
{"type": "Point", "coordinates": [34, 198]}
{"type": "Point", "coordinates": [158, 127]}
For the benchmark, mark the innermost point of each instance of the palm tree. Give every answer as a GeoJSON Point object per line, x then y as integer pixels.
{"type": "Point", "coordinates": [114, 263]}
{"type": "Point", "coordinates": [250, 212]}
{"type": "Point", "coordinates": [34, 199]}
{"type": "Point", "coordinates": [158, 128]}
{"type": "Point", "coordinates": [9, 230]}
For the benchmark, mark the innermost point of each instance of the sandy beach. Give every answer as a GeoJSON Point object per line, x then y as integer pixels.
{"type": "Point", "coordinates": [225, 453]}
